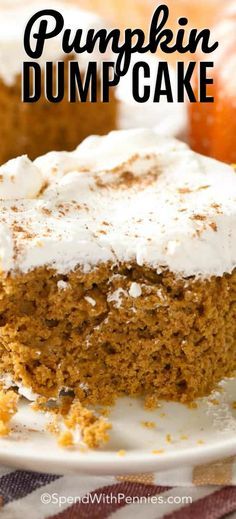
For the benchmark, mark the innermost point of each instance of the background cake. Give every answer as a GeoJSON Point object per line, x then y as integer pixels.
{"type": "Point", "coordinates": [35, 128]}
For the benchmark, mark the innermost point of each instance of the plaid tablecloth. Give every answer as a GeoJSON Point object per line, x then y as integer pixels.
{"type": "Point", "coordinates": [205, 492]}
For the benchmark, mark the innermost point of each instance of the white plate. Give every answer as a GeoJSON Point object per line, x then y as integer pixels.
{"type": "Point", "coordinates": [210, 430]}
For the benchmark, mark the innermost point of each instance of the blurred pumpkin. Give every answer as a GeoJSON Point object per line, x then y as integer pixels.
{"type": "Point", "coordinates": [213, 125]}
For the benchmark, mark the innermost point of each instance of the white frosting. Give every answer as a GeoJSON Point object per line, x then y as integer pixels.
{"type": "Point", "coordinates": [135, 290]}
{"type": "Point", "coordinates": [13, 19]}
{"type": "Point", "coordinates": [62, 285]}
{"type": "Point", "coordinates": [6, 247]}
{"type": "Point", "coordinates": [128, 196]}
{"type": "Point", "coordinates": [20, 178]}
{"type": "Point", "coordinates": [116, 297]}
{"type": "Point", "coordinates": [90, 300]}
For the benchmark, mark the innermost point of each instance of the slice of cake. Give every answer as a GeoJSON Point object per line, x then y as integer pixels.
{"type": "Point", "coordinates": [118, 270]}
{"type": "Point", "coordinates": [35, 128]}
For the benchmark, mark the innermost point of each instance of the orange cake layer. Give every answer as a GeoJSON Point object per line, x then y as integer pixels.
{"type": "Point", "coordinates": [38, 127]}
{"type": "Point", "coordinates": [117, 330]}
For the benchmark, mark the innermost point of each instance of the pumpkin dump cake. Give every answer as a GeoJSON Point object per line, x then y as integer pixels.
{"type": "Point", "coordinates": [23, 126]}
{"type": "Point", "coordinates": [118, 270]}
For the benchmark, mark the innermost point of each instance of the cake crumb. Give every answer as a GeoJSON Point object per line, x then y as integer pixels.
{"type": "Point", "coordinates": [69, 413]}
{"type": "Point", "coordinates": [8, 407]}
{"type": "Point", "coordinates": [200, 442]}
{"type": "Point", "coordinates": [158, 451]}
{"type": "Point", "coordinates": [148, 424]}
{"type": "Point", "coordinates": [4, 429]}
{"type": "Point", "coordinates": [96, 434]}
{"type": "Point", "coordinates": [234, 404]}
{"type": "Point", "coordinates": [105, 412]}
{"type": "Point", "coordinates": [214, 401]}
{"type": "Point", "coordinates": [151, 402]}
{"type": "Point", "coordinates": [62, 285]}
{"type": "Point", "coordinates": [168, 438]}
{"type": "Point", "coordinates": [121, 452]}
{"type": "Point", "coordinates": [90, 300]}
{"type": "Point", "coordinates": [53, 427]}
{"type": "Point", "coordinates": [65, 439]}
{"type": "Point", "coordinates": [183, 437]}
{"type": "Point", "coordinates": [135, 290]}
{"type": "Point", "coordinates": [192, 405]}
{"type": "Point", "coordinates": [94, 429]}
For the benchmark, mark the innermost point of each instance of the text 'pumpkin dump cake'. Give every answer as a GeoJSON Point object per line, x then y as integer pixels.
{"type": "Point", "coordinates": [118, 270]}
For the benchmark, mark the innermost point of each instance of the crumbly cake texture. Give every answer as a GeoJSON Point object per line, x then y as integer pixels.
{"type": "Point", "coordinates": [176, 340]}
{"type": "Point", "coordinates": [24, 126]}
{"type": "Point", "coordinates": [8, 407]}
{"type": "Point", "coordinates": [73, 423]}
{"type": "Point", "coordinates": [118, 271]}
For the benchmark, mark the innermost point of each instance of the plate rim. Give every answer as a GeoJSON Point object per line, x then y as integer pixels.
{"type": "Point", "coordinates": [112, 464]}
